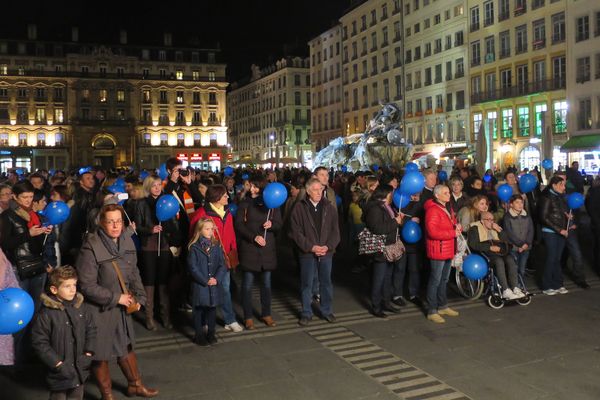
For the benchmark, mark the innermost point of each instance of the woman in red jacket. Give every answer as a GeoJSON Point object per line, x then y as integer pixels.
{"type": "Point", "coordinates": [216, 207]}
{"type": "Point", "coordinates": [441, 231]}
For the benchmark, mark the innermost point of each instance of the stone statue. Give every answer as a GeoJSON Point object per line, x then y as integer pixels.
{"type": "Point", "coordinates": [382, 144]}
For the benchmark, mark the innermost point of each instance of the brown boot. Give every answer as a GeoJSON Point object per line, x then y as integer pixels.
{"type": "Point", "coordinates": [249, 323]}
{"type": "Point", "coordinates": [149, 308]}
{"type": "Point", "coordinates": [165, 307]}
{"type": "Point", "coordinates": [102, 375]}
{"type": "Point", "coordinates": [268, 320]}
{"type": "Point", "coordinates": [130, 369]}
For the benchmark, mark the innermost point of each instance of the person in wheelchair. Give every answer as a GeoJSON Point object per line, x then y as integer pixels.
{"type": "Point", "coordinates": [487, 238]}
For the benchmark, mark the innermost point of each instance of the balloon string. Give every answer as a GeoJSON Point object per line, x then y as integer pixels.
{"type": "Point", "coordinates": [265, 234]}
{"type": "Point", "coordinates": [129, 219]}
{"type": "Point", "coordinates": [159, 224]}
{"type": "Point", "coordinates": [569, 220]}
{"type": "Point", "coordinates": [46, 238]}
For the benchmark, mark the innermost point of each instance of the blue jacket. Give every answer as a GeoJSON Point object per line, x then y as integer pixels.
{"type": "Point", "coordinates": [204, 264]}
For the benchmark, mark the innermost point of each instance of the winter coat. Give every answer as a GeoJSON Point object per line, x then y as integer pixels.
{"type": "Point", "coordinates": [249, 220]}
{"type": "Point", "coordinates": [519, 228]}
{"type": "Point", "coordinates": [20, 248]}
{"type": "Point", "coordinates": [75, 227]}
{"type": "Point", "coordinates": [144, 216]}
{"type": "Point", "coordinates": [7, 280]}
{"type": "Point", "coordinates": [440, 231]}
{"type": "Point", "coordinates": [552, 209]}
{"type": "Point", "coordinates": [328, 193]}
{"type": "Point", "coordinates": [483, 245]}
{"type": "Point", "coordinates": [457, 204]}
{"type": "Point", "coordinates": [204, 264]}
{"type": "Point", "coordinates": [592, 206]}
{"type": "Point", "coordinates": [64, 332]}
{"type": "Point", "coordinates": [303, 230]}
{"type": "Point", "coordinates": [379, 222]}
{"type": "Point", "coordinates": [100, 286]}
{"type": "Point", "coordinates": [224, 226]}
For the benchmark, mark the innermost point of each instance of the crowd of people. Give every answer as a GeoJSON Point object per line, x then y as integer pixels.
{"type": "Point", "coordinates": [114, 258]}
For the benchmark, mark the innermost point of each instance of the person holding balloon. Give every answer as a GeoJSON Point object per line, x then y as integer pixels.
{"type": "Point", "coordinates": [441, 231]}
{"type": "Point", "coordinates": [110, 283]}
{"type": "Point", "coordinates": [7, 280]}
{"type": "Point", "coordinates": [255, 225]}
{"type": "Point", "coordinates": [380, 219]}
{"type": "Point", "coordinates": [154, 234]}
{"type": "Point", "coordinates": [554, 217]}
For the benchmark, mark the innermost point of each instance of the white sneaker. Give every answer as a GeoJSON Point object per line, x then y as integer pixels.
{"type": "Point", "coordinates": [549, 292]}
{"type": "Point", "coordinates": [509, 295]}
{"type": "Point", "coordinates": [562, 290]}
{"type": "Point", "coordinates": [234, 327]}
{"type": "Point", "coordinates": [518, 292]}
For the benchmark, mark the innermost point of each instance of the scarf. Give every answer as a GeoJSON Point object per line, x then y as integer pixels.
{"type": "Point", "coordinates": [484, 233]}
{"type": "Point", "coordinates": [220, 210]}
{"type": "Point", "coordinates": [516, 214]}
{"type": "Point", "coordinates": [205, 244]}
{"type": "Point", "coordinates": [115, 249]}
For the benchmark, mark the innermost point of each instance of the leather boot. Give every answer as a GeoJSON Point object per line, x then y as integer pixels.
{"type": "Point", "coordinates": [165, 307]}
{"type": "Point", "coordinates": [102, 375]}
{"type": "Point", "coordinates": [149, 309]}
{"type": "Point", "coordinates": [130, 369]}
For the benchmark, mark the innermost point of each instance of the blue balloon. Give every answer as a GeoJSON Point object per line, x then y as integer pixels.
{"type": "Point", "coordinates": [411, 167]}
{"type": "Point", "coordinates": [239, 187]}
{"type": "Point", "coordinates": [400, 199]}
{"type": "Point", "coordinates": [162, 171]}
{"type": "Point", "coordinates": [83, 170]}
{"type": "Point", "coordinates": [245, 177]}
{"type": "Point", "coordinates": [233, 208]}
{"type": "Point", "coordinates": [411, 232]}
{"type": "Point", "coordinates": [375, 167]}
{"type": "Point", "coordinates": [52, 172]}
{"type": "Point", "coordinates": [504, 192]}
{"type": "Point", "coordinates": [475, 267]}
{"type": "Point", "coordinates": [16, 310]}
{"type": "Point", "coordinates": [412, 182]}
{"type": "Point", "coordinates": [338, 200]}
{"type": "Point", "coordinates": [57, 212]}
{"type": "Point", "coordinates": [19, 171]}
{"type": "Point", "coordinates": [547, 163]}
{"type": "Point", "coordinates": [275, 194]}
{"type": "Point", "coordinates": [527, 183]}
{"type": "Point", "coordinates": [228, 171]}
{"type": "Point", "coordinates": [115, 189]}
{"type": "Point", "coordinates": [443, 176]}
{"type": "Point", "coordinates": [144, 174]}
{"type": "Point", "coordinates": [167, 207]}
{"type": "Point", "coordinates": [344, 169]}
{"type": "Point", "coordinates": [487, 178]}
{"type": "Point", "coordinates": [575, 200]}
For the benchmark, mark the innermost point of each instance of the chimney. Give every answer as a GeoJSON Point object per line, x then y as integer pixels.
{"type": "Point", "coordinates": [32, 32]}
{"type": "Point", "coordinates": [168, 39]}
{"type": "Point", "coordinates": [75, 34]}
{"type": "Point", "coordinates": [123, 36]}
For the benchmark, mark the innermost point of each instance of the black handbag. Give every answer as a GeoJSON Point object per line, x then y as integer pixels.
{"type": "Point", "coordinates": [31, 269]}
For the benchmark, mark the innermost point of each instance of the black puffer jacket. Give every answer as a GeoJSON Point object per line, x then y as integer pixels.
{"type": "Point", "coordinates": [64, 332]}
{"type": "Point", "coordinates": [378, 220]}
{"type": "Point", "coordinates": [144, 216]}
{"type": "Point", "coordinates": [20, 248]}
{"type": "Point", "coordinates": [552, 211]}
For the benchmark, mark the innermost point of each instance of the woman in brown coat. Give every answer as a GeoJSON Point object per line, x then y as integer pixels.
{"type": "Point", "coordinates": [104, 253]}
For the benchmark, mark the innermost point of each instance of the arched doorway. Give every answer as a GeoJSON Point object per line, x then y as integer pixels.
{"type": "Point", "coordinates": [104, 146]}
{"type": "Point", "coordinates": [529, 157]}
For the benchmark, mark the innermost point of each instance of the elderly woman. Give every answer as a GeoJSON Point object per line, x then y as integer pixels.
{"type": "Point", "coordinates": [381, 219]}
{"type": "Point", "coordinates": [258, 249]}
{"type": "Point", "coordinates": [441, 231]}
{"type": "Point", "coordinates": [107, 261]}
{"type": "Point", "coordinates": [458, 198]}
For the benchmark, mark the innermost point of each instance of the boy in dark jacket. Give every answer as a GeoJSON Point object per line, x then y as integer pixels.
{"type": "Point", "coordinates": [64, 335]}
{"type": "Point", "coordinates": [519, 229]}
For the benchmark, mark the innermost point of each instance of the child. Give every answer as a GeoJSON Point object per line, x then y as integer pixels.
{"type": "Point", "coordinates": [519, 230]}
{"type": "Point", "coordinates": [64, 335]}
{"type": "Point", "coordinates": [207, 267]}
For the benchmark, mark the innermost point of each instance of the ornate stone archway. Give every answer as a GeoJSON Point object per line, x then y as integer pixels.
{"type": "Point", "coordinates": [104, 147]}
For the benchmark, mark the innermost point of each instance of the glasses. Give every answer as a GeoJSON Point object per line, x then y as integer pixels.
{"type": "Point", "coordinates": [487, 219]}
{"type": "Point", "coordinates": [115, 222]}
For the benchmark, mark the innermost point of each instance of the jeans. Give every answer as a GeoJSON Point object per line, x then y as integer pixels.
{"type": "Point", "coordinates": [555, 244]}
{"type": "Point", "coordinates": [204, 316]}
{"type": "Point", "coordinates": [382, 284]}
{"type": "Point", "coordinates": [573, 250]}
{"type": "Point", "coordinates": [227, 305]}
{"type": "Point", "coordinates": [309, 267]}
{"type": "Point", "coordinates": [521, 259]}
{"type": "Point", "coordinates": [265, 293]}
{"type": "Point", "coordinates": [35, 287]}
{"type": "Point", "coordinates": [408, 260]}
{"type": "Point", "coordinates": [437, 285]}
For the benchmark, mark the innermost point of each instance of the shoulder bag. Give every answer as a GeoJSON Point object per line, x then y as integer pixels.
{"type": "Point", "coordinates": [134, 306]}
{"type": "Point", "coordinates": [393, 252]}
{"type": "Point", "coordinates": [231, 259]}
{"type": "Point", "coordinates": [369, 243]}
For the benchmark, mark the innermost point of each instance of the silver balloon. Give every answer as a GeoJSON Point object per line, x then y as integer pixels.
{"type": "Point", "coordinates": [394, 136]}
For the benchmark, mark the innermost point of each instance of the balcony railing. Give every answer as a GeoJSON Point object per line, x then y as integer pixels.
{"type": "Point", "coordinates": [99, 75]}
{"type": "Point", "coordinates": [519, 90]}
{"type": "Point", "coordinates": [103, 122]}
{"type": "Point", "coordinates": [474, 27]}
{"type": "Point", "coordinates": [539, 44]}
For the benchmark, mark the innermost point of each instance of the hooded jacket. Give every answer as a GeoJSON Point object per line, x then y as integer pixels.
{"type": "Point", "coordinates": [64, 331]}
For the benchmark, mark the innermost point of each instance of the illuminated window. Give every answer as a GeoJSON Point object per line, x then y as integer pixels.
{"type": "Point", "coordinates": [120, 96]}
{"type": "Point", "coordinates": [59, 117]}
{"type": "Point", "coordinates": [179, 98]}
{"type": "Point", "coordinates": [560, 116]}
{"type": "Point", "coordinates": [40, 115]}
{"type": "Point", "coordinates": [179, 74]}
{"type": "Point", "coordinates": [507, 115]}
{"type": "Point", "coordinates": [211, 76]}
{"type": "Point", "coordinates": [103, 97]}
{"type": "Point", "coordinates": [196, 75]}
{"type": "Point", "coordinates": [540, 110]}
{"type": "Point", "coordinates": [492, 117]}
{"type": "Point", "coordinates": [146, 96]}
{"type": "Point", "coordinates": [3, 69]}
{"type": "Point", "coordinates": [523, 113]}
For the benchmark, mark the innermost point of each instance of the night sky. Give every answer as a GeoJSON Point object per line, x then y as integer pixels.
{"type": "Point", "coordinates": [257, 31]}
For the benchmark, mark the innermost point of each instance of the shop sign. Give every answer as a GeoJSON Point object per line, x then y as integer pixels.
{"type": "Point", "coordinates": [182, 156]}
{"type": "Point", "coordinates": [196, 157]}
{"type": "Point", "coordinates": [214, 157]}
